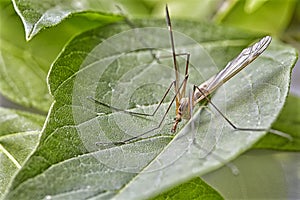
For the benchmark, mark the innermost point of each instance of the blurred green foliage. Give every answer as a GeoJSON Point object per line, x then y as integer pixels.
{"type": "Point", "coordinates": [278, 18]}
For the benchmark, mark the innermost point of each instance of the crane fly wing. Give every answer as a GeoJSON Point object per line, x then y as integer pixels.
{"type": "Point", "coordinates": [234, 66]}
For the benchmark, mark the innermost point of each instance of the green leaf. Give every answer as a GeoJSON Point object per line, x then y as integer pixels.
{"type": "Point", "coordinates": [22, 72]}
{"type": "Point", "coordinates": [192, 10]}
{"type": "Point", "coordinates": [37, 15]}
{"type": "Point", "coordinates": [287, 122]}
{"type": "Point", "coordinates": [257, 15]}
{"type": "Point", "coordinates": [19, 134]}
{"type": "Point", "coordinates": [292, 34]}
{"type": "Point", "coordinates": [194, 189]}
{"type": "Point", "coordinates": [24, 66]}
{"type": "Point", "coordinates": [122, 72]}
{"type": "Point", "coordinates": [273, 170]}
{"type": "Point", "coordinates": [252, 6]}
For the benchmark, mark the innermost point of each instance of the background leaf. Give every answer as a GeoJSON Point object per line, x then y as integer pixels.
{"type": "Point", "coordinates": [274, 170]}
{"type": "Point", "coordinates": [62, 150]}
{"type": "Point", "coordinates": [19, 134]}
{"type": "Point", "coordinates": [24, 66]}
{"type": "Point", "coordinates": [38, 15]}
{"type": "Point", "coordinates": [259, 17]}
{"type": "Point", "coordinates": [196, 10]}
{"type": "Point", "coordinates": [292, 34]}
{"type": "Point", "coordinates": [194, 189]}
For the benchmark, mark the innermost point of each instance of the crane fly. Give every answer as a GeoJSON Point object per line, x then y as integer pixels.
{"type": "Point", "coordinates": [185, 104]}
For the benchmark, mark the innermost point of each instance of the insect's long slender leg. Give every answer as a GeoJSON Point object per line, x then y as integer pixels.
{"type": "Point", "coordinates": [157, 127]}
{"type": "Point", "coordinates": [186, 73]}
{"type": "Point", "coordinates": [168, 20]}
{"type": "Point", "coordinates": [191, 109]}
{"type": "Point", "coordinates": [276, 132]}
{"type": "Point", "coordinates": [131, 112]}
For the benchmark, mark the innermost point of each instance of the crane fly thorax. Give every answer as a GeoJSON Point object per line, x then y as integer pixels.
{"type": "Point", "coordinates": [184, 108]}
{"type": "Point", "coordinates": [198, 96]}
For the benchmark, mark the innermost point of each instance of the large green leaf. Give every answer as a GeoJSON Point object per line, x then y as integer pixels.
{"type": "Point", "coordinates": [19, 133]}
{"type": "Point", "coordinates": [121, 71]}
{"type": "Point", "coordinates": [24, 66]}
